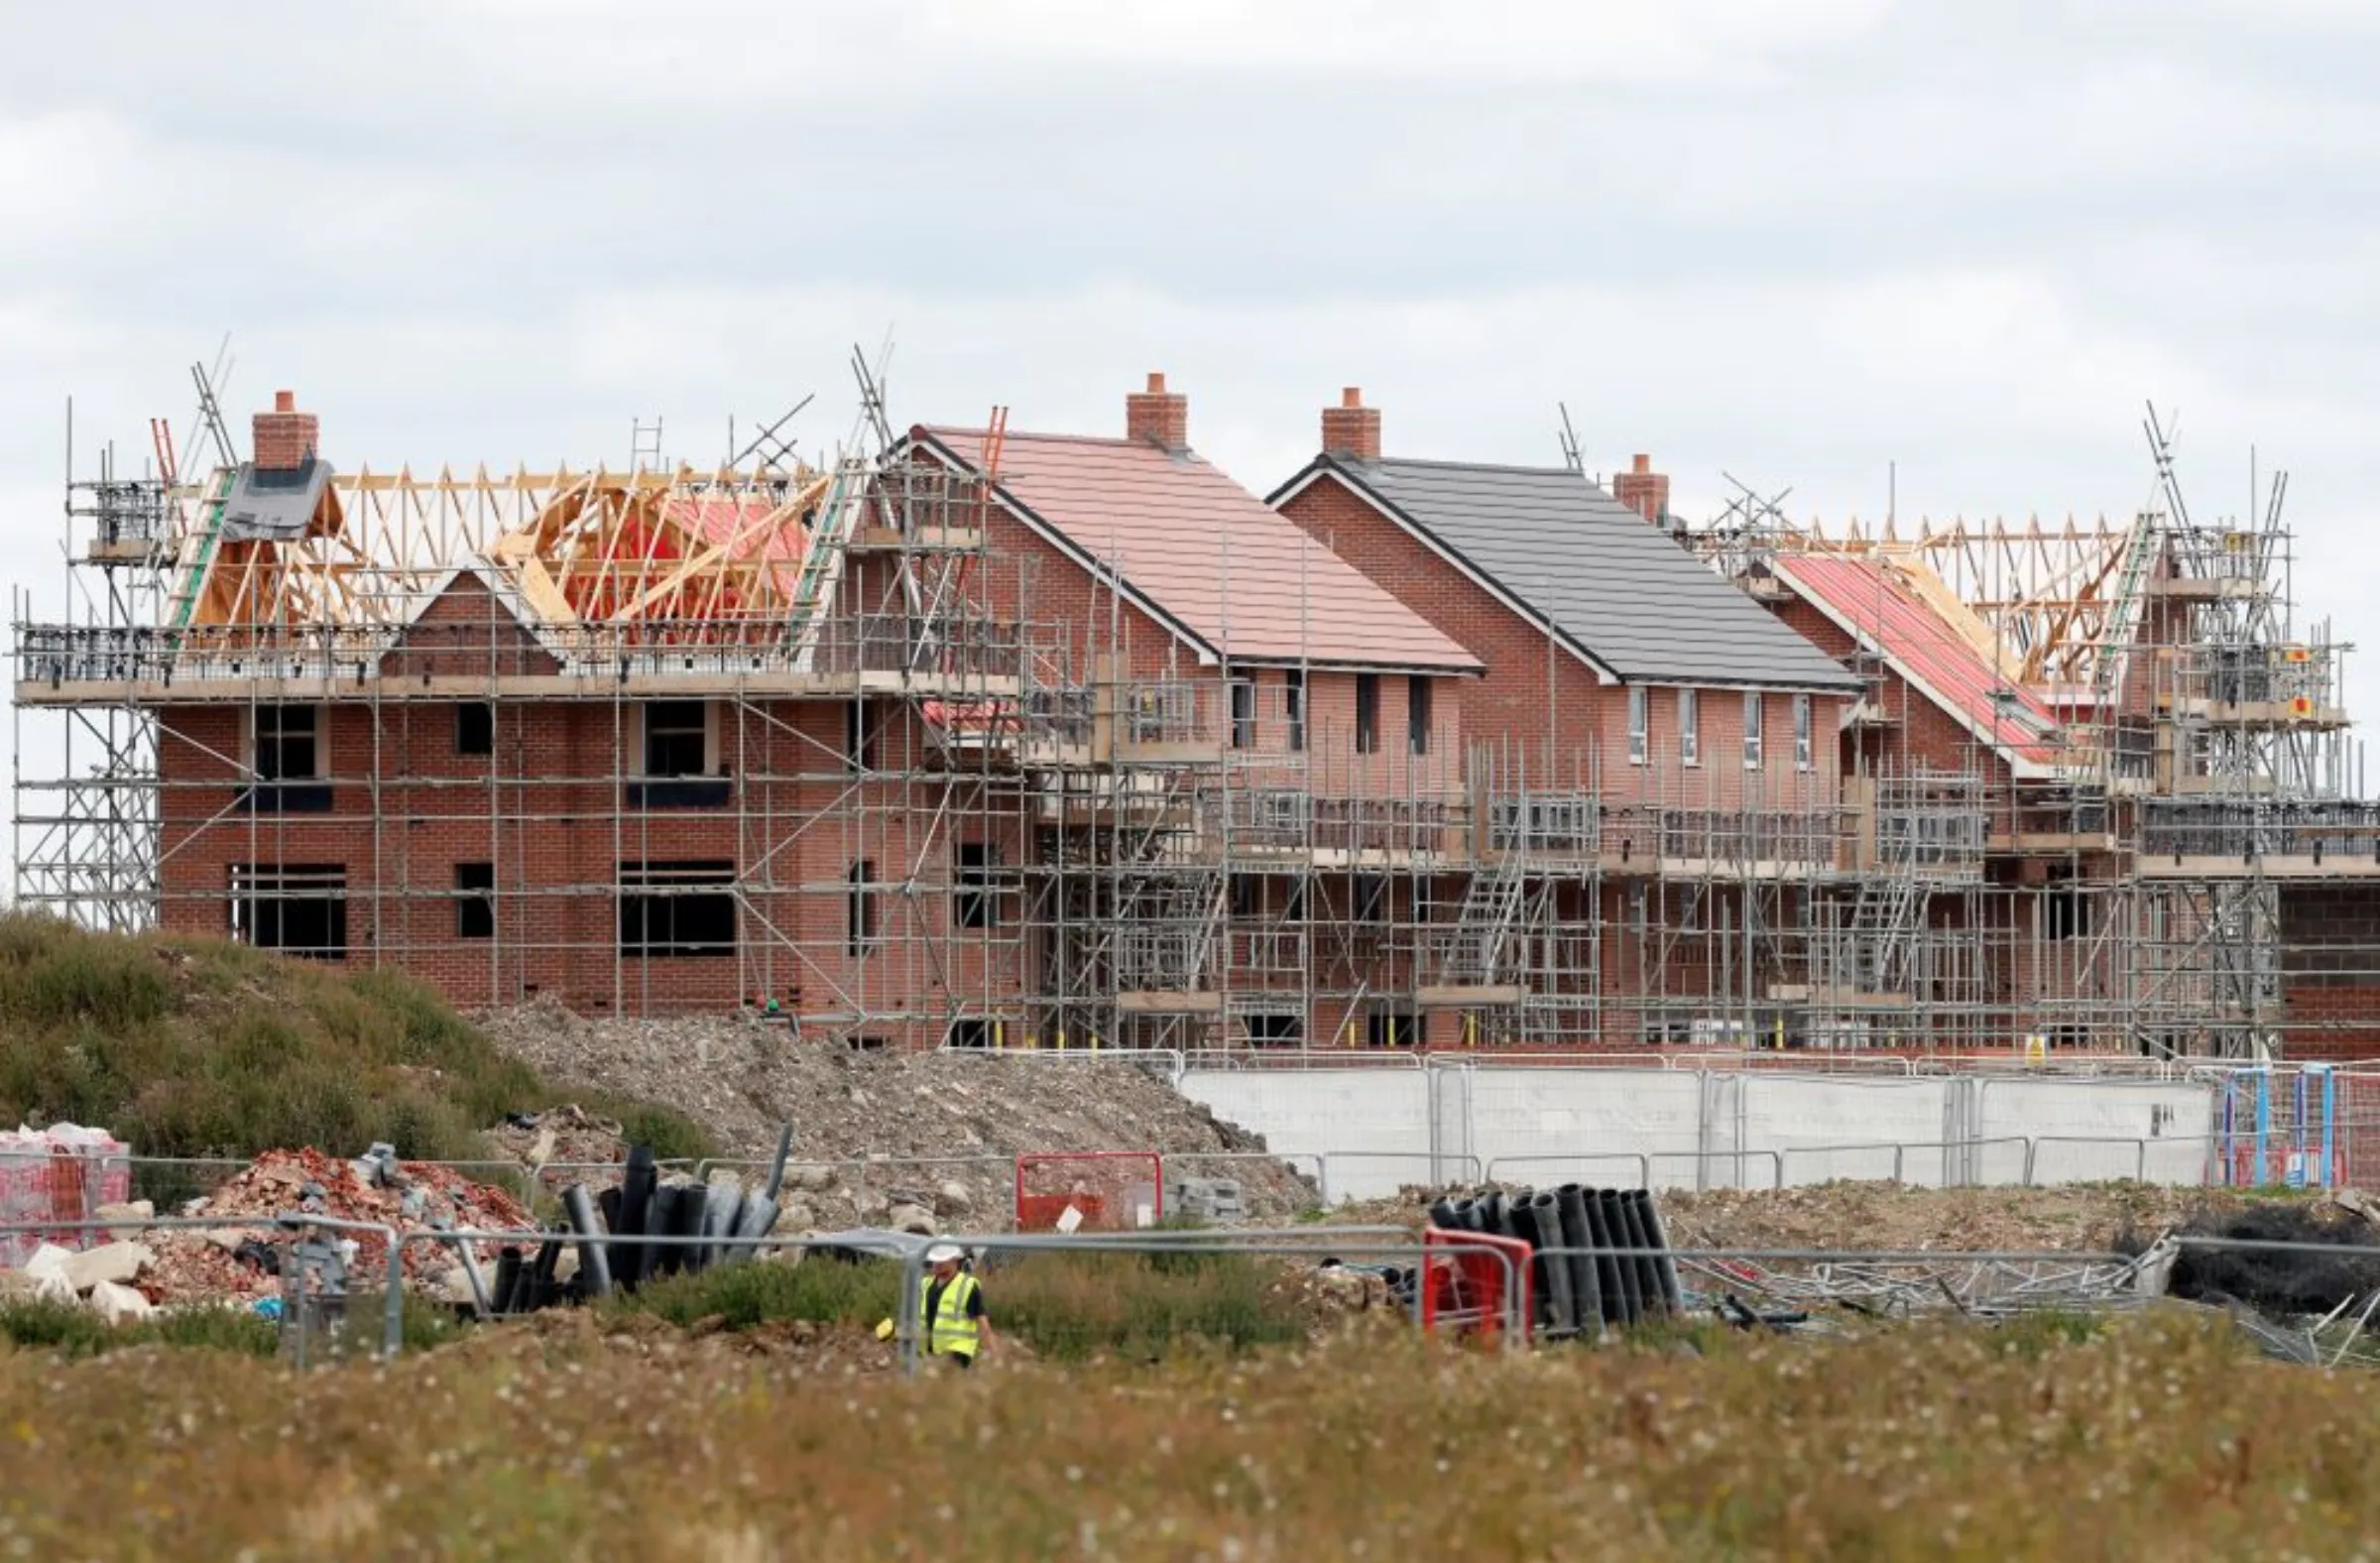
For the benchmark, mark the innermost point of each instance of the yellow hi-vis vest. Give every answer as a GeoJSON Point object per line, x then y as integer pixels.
{"type": "Point", "coordinates": [950, 1332]}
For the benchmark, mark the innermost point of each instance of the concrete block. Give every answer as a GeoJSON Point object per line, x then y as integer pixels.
{"type": "Point", "coordinates": [118, 1263]}
{"type": "Point", "coordinates": [120, 1304]}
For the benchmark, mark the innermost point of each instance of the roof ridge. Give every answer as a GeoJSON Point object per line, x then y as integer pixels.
{"type": "Point", "coordinates": [1476, 466]}
{"type": "Point", "coordinates": [1053, 437]}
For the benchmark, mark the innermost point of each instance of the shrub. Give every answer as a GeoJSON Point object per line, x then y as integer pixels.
{"type": "Point", "coordinates": [206, 1048]}
{"type": "Point", "coordinates": [818, 1289]}
{"type": "Point", "coordinates": [1076, 1305]}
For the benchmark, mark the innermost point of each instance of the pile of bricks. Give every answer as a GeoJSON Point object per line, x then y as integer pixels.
{"type": "Point", "coordinates": [235, 1261]}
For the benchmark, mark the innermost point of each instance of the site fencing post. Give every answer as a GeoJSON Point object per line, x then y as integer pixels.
{"type": "Point", "coordinates": [392, 1282]}
{"type": "Point", "coordinates": [1642, 1162]}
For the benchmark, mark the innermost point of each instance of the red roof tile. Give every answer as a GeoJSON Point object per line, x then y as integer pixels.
{"type": "Point", "coordinates": [1208, 553]}
{"type": "Point", "coordinates": [1869, 598]}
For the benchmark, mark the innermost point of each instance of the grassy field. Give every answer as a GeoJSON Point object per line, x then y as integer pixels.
{"type": "Point", "coordinates": [2153, 1438]}
{"type": "Point", "coordinates": [199, 1047]}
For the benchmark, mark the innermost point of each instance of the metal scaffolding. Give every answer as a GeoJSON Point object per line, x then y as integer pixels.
{"type": "Point", "coordinates": [805, 739]}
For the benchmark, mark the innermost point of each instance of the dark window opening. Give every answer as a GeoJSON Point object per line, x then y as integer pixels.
{"type": "Point", "coordinates": [1244, 713]}
{"type": "Point", "coordinates": [475, 728]}
{"type": "Point", "coordinates": [861, 934]}
{"type": "Point", "coordinates": [1370, 898]}
{"type": "Point", "coordinates": [971, 902]}
{"type": "Point", "coordinates": [678, 910]}
{"type": "Point", "coordinates": [1392, 1028]}
{"type": "Point", "coordinates": [475, 901]}
{"type": "Point", "coordinates": [971, 1031]}
{"type": "Point", "coordinates": [859, 735]}
{"type": "Point", "coordinates": [298, 908]}
{"type": "Point", "coordinates": [1276, 1030]}
{"type": "Point", "coordinates": [865, 1044]}
{"type": "Point", "coordinates": [1248, 896]}
{"type": "Point", "coordinates": [1293, 706]}
{"type": "Point", "coordinates": [1367, 713]}
{"type": "Point", "coordinates": [675, 739]}
{"type": "Point", "coordinates": [288, 743]}
{"type": "Point", "coordinates": [1417, 714]}
{"type": "Point", "coordinates": [2066, 914]}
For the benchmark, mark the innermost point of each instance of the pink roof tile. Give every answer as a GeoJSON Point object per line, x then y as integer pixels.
{"type": "Point", "coordinates": [1208, 553]}
{"type": "Point", "coordinates": [1868, 599]}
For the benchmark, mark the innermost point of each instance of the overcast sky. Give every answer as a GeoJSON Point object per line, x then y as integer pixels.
{"type": "Point", "coordinates": [1794, 240]}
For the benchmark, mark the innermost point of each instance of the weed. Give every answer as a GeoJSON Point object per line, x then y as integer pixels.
{"type": "Point", "coordinates": [201, 1048]}
{"type": "Point", "coordinates": [743, 1296]}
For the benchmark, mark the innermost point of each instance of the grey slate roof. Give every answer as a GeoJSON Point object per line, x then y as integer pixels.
{"type": "Point", "coordinates": [1615, 586]}
{"type": "Point", "coordinates": [274, 507]}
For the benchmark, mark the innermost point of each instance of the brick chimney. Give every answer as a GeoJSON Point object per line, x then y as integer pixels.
{"type": "Point", "coordinates": [1643, 490]}
{"type": "Point", "coordinates": [286, 437]}
{"type": "Point", "coordinates": [1158, 416]}
{"type": "Point", "coordinates": [1350, 429]}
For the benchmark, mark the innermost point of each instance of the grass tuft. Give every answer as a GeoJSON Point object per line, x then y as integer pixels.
{"type": "Point", "coordinates": [203, 1049]}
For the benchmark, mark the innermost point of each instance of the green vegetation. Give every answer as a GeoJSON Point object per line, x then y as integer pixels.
{"type": "Point", "coordinates": [743, 1296]}
{"type": "Point", "coordinates": [2154, 1438]}
{"type": "Point", "coordinates": [201, 1047]}
{"type": "Point", "coordinates": [75, 1331]}
{"type": "Point", "coordinates": [1064, 1306]}
{"type": "Point", "coordinates": [72, 1330]}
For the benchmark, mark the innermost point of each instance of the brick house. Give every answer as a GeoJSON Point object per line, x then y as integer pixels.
{"type": "Point", "coordinates": [1623, 679]}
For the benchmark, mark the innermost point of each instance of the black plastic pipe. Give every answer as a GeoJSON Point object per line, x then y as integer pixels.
{"type": "Point", "coordinates": [507, 1278]}
{"type": "Point", "coordinates": [1585, 1290]}
{"type": "Point", "coordinates": [594, 1273]}
{"type": "Point", "coordinates": [1443, 1217]}
{"type": "Point", "coordinates": [1648, 1268]}
{"type": "Point", "coordinates": [1609, 1216]}
{"type": "Point", "coordinates": [661, 1220]}
{"type": "Point", "coordinates": [725, 1202]}
{"type": "Point", "coordinates": [538, 1285]}
{"type": "Point", "coordinates": [636, 1217]}
{"type": "Point", "coordinates": [693, 1217]}
{"type": "Point", "coordinates": [1656, 1235]}
{"type": "Point", "coordinates": [1553, 1270]}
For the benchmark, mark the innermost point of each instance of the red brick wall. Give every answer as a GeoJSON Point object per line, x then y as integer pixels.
{"type": "Point", "coordinates": [2331, 971]}
{"type": "Point", "coordinates": [1573, 735]}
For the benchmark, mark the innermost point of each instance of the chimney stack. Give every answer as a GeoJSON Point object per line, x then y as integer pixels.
{"type": "Point", "coordinates": [1643, 490]}
{"type": "Point", "coordinates": [1157, 415]}
{"type": "Point", "coordinates": [1350, 429]}
{"type": "Point", "coordinates": [286, 438]}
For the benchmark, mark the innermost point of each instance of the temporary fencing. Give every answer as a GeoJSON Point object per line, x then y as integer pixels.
{"type": "Point", "coordinates": [60, 1175]}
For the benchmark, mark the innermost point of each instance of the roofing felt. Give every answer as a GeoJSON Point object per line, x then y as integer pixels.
{"type": "Point", "coordinates": [1869, 598]}
{"type": "Point", "coordinates": [1210, 556]}
{"type": "Point", "coordinates": [273, 506]}
{"type": "Point", "coordinates": [1618, 588]}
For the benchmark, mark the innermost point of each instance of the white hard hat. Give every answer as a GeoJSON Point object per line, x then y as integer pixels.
{"type": "Point", "coordinates": [944, 1253]}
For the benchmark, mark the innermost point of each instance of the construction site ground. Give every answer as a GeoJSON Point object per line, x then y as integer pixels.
{"type": "Point", "coordinates": [2153, 1436]}
{"type": "Point", "coordinates": [743, 1078]}
{"type": "Point", "coordinates": [2081, 1218]}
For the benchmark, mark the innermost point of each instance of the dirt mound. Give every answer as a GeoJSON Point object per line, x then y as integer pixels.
{"type": "Point", "coordinates": [742, 1078]}
{"type": "Point", "coordinates": [2098, 1218]}
{"type": "Point", "coordinates": [2282, 1281]}
{"type": "Point", "coordinates": [2092, 1218]}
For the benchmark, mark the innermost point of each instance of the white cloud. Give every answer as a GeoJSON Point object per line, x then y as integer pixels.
{"type": "Point", "coordinates": [1795, 240]}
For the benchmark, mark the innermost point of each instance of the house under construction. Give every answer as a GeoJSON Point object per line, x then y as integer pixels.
{"type": "Point", "coordinates": [981, 737]}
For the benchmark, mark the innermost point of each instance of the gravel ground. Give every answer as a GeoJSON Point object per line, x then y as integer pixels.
{"type": "Point", "coordinates": [1888, 1217]}
{"type": "Point", "coordinates": [742, 1079]}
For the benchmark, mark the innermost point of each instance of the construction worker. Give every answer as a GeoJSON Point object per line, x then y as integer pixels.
{"type": "Point", "coordinates": [950, 1321]}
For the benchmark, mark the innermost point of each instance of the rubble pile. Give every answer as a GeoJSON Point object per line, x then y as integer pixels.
{"type": "Point", "coordinates": [567, 1136]}
{"type": "Point", "coordinates": [742, 1077]}
{"type": "Point", "coordinates": [103, 1278]}
{"type": "Point", "coordinates": [242, 1261]}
